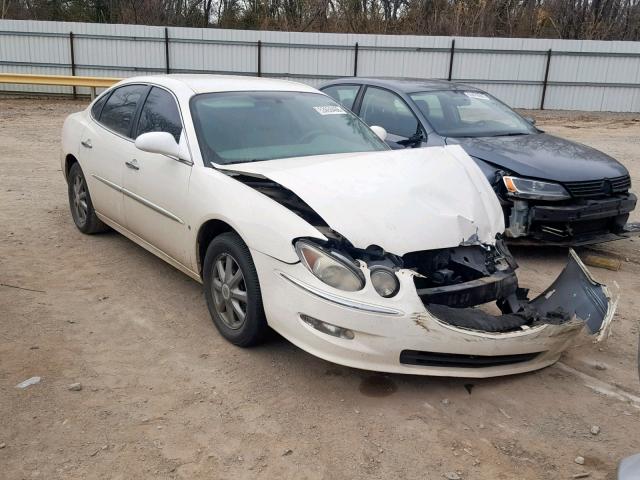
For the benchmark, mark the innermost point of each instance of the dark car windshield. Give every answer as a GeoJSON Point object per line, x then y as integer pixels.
{"type": "Point", "coordinates": [236, 127]}
{"type": "Point", "coordinates": [457, 113]}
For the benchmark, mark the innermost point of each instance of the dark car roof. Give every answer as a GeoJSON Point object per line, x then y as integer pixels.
{"type": "Point", "coordinates": [406, 85]}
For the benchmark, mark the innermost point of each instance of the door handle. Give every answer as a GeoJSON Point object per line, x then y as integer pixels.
{"type": "Point", "coordinates": [133, 164]}
{"type": "Point", "coordinates": [86, 143]}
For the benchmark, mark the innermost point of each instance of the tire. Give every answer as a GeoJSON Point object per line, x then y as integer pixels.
{"type": "Point", "coordinates": [234, 299]}
{"type": "Point", "coordinates": [82, 212]}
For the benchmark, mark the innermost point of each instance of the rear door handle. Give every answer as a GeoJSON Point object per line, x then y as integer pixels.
{"type": "Point", "coordinates": [86, 143]}
{"type": "Point", "coordinates": [133, 164]}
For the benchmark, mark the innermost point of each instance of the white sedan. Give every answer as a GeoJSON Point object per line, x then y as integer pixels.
{"type": "Point", "coordinates": [296, 216]}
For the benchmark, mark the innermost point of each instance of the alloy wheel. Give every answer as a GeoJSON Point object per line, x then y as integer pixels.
{"type": "Point", "coordinates": [80, 205]}
{"type": "Point", "coordinates": [229, 291]}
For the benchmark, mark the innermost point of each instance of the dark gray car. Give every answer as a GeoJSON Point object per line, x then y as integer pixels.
{"type": "Point", "coordinates": [552, 190]}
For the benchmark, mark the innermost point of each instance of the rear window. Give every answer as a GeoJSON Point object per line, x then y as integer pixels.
{"type": "Point", "coordinates": [96, 110]}
{"type": "Point", "coordinates": [345, 94]}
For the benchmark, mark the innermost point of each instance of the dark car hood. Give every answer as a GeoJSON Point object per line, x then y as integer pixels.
{"type": "Point", "coordinates": [543, 156]}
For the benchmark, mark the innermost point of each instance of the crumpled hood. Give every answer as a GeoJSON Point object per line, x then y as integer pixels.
{"type": "Point", "coordinates": [403, 200]}
{"type": "Point", "coordinates": [543, 156]}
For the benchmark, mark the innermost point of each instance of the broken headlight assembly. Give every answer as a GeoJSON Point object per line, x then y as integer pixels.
{"type": "Point", "coordinates": [527, 188]}
{"type": "Point", "coordinates": [330, 266]}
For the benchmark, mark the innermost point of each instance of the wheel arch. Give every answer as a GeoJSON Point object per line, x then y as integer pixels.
{"type": "Point", "coordinates": [206, 233]}
{"type": "Point", "coordinates": [69, 160]}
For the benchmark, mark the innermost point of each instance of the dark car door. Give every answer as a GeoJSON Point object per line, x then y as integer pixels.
{"type": "Point", "coordinates": [386, 109]}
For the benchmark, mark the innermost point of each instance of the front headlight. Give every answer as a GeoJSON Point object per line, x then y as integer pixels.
{"type": "Point", "coordinates": [384, 281]}
{"type": "Point", "coordinates": [334, 271]}
{"type": "Point", "coordinates": [534, 189]}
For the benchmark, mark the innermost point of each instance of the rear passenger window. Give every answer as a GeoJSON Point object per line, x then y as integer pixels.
{"type": "Point", "coordinates": [345, 94]}
{"type": "Point", "coordinates": [96, 110]}
{"type": "Point", "coordinates": [119, 110]}
{"type": "Point", "coordinates": [160, 114]}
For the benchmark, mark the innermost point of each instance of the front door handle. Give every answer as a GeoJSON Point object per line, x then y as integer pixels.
{"type": "Point", "coordinates": [86, 143]}
{"type": "Point", "coordinates": [133, 164]}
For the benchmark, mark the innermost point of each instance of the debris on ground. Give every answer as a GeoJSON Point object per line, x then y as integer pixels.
{"type": "Point", "coordinates": [75, 387]}
{"type": "Point", "coordinates": [595, 430]}
{"type": "Point", "coordinates": [2, 445]}
{"type": "Point", "coordinates": [28, 382]}
{"type": "Point", "coordinates": [600, 366]}
{"type": "Point", "coordinates": [288, 451]}
{"type": "Point", "coordinates": [579, 460]}
{"type": "Point", "coordinates": [582, 475]}
{"type": "Point", "coordinates": [452, 476]}
{"type": "Point", "coordinates": [505, 413]}
{"type": "Point", "coordinates": [600, 261]}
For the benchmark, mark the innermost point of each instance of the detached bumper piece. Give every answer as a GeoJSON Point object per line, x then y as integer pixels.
{"type": "Point", "coordinates": [573, 296]}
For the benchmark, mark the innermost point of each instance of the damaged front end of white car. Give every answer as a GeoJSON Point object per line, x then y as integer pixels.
{"type": "Point", "coordinates": [408, 255]}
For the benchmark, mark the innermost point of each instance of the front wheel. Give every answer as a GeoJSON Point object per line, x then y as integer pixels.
{"type": "Point", "coordinates": [84, 216]}
{"type": "Point", "coordinates": [232, 291]}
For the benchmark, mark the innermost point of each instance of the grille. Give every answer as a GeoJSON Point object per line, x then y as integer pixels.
{"type": "Point", "coordinates": [432, 359]}
{"type": "Point", "coordinates": [594, 188]}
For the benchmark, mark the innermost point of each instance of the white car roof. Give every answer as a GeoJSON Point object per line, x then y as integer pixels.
{"type": "Point", "coordinates": [205, 83]}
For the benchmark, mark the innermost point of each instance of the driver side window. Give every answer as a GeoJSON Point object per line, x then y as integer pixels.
{"type": "Point", "coordinates": [160, 114]}
{"type": "Point", "coordinates": [386, 109]}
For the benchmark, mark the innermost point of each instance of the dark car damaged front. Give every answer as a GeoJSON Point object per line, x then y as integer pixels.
{"type": "Point", "coordinates": [588, 211]}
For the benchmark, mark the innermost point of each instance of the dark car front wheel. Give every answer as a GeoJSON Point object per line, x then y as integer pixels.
{"type": "Point", "coordinates": [232, 291]}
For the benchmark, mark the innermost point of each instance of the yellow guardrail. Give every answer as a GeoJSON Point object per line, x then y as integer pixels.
{"type": "Point", "coordinates": [63, 80]}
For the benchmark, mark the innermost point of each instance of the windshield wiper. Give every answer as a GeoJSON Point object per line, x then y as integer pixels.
{"type": "Point", "coordinates": [247, 161]}
{"type": "Point", "coordinates": [510, 134]}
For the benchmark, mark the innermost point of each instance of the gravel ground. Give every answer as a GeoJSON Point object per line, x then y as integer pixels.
{"type": "Point", "coordinates": [163, 396]}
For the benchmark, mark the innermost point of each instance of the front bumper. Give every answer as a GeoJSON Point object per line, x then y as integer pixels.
{"type": "Point", "coordinates": [584, 222]}
{"type": "Point", "coordinates": [399, 335]}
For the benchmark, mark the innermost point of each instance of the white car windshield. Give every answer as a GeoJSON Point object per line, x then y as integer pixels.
{"type": "Point", "coordinates": [238, 127]}
{"type": "Point", "coordinates": [456, 113]}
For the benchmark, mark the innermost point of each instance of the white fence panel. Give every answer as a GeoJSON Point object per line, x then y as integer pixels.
{"type": "Point", "coordinates": [583, 75]}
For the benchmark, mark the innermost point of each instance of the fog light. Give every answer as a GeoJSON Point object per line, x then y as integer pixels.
{"type": "Point", "coordinates": [385, 281]}
{"type": "Point", "coordinates": [327, 328]}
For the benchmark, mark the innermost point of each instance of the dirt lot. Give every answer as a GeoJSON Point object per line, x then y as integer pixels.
{"type": "Point", "coordinates": [165, 397]}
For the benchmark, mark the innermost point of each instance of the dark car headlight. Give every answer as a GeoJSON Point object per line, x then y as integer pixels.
{"type": "Point", "coordinates": [330, 267]}
{"type": "Point", "coordinates": [529, 189]}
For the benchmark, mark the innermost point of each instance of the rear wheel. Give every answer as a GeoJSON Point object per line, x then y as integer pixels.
{"type": "Point", "coordinates": [232, 291]}
{"type": "Point", "coordinates": [84, 216]}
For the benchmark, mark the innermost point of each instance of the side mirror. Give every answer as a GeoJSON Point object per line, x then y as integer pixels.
{"type": "Point", "coordinates": [531, 120]}
{"type": "Point", "coordinates": [159, 142]}
{"type": "Point", "coordinates": [380, 132]}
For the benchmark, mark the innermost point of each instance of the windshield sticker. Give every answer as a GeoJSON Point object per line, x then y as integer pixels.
{"type": "Point", "coordinates": [478, 95]}
{"type": "Point", "coordinates": [330, 110]}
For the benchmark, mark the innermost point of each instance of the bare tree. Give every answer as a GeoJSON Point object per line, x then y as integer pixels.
{"type": "Point", "coordinates": [573, 19]}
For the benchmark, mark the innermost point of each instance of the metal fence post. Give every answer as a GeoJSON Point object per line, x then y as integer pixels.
{"type": "Point", "coordinates": [259, 58]}
{"type": "Point", "coordinates": [453, 49]}
{"type": "Point", "coordinates": [355, 61]}
{"type": "Point", "coordinates": [166, 49]}
{"type": "Point", "coordinates": [73, 62]}
{"type": "Point", "coordinates": [546, 80]}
